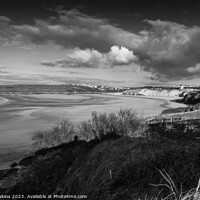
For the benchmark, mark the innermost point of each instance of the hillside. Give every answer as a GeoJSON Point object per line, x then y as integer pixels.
{"type": "Point", "coordinates": [123, 158]}
{"type": "Point", "coordinates": [116, 168]}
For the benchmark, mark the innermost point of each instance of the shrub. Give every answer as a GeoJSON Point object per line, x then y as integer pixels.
{"type": "Point", "coordinates": [183, 130]}
{"type": "Point", "coordinates": [125, 122]}
{"type": "Point", "coordinates": [60, 133]}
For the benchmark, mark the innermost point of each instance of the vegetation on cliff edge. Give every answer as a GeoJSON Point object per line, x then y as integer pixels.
{"type": "Point", "coordinates": [111, 165]}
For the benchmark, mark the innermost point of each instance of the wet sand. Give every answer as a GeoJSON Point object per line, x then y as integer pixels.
{"type": "Point", "coordinates": [3, 100]}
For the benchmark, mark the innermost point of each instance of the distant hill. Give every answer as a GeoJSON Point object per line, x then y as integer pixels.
{"type": "Point", "coordinates": [57, 89]}
{"type": "Point", "coordinates": [43, 89]}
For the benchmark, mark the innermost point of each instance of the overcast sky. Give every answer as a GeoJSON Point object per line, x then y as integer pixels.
{"type": "Point", "coordinates": [130, 43]}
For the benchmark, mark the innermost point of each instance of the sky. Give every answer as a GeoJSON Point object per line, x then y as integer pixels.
{"type": "Point", "coordinates": [118, 43]}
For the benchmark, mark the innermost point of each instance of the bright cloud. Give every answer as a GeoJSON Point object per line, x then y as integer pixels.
{"type": "Point", "coordinates": [91, 58]}
{"type": "Point", "coordinates": [194, 69]}
{"type": "Point", "coordinates": [76, 57]}
{"type": "Point", "coordinates": [121, 56]}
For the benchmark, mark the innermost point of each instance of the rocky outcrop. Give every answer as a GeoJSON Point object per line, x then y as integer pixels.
{"type": "Point", "coordinates": [196, 106]}
{"type": "Point", "coordinates": [192, 99]}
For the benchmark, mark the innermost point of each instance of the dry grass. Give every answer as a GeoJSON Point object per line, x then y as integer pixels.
{"type": "Point", "coordinates": [174, 192]}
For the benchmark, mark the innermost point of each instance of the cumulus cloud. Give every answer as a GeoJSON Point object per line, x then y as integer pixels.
{"type": "Point", "coordinates": [170, 48]}
{"type": "Point", "coordinates": [91, 58]}
{"type": "Point", "coordinates": [166, 49]}
{"type": "Point", "coordinates": [194, 69]}
{"type": "Point", "coordinates": [75, 29]}
{"type": "Point", "coordinates": [121, 56]}
{"type": "Point", "coordinates": [79, 58]}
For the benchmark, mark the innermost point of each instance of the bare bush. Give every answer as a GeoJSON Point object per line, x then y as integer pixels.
{"type": "Point", "coordinates": [60, 133]}
{"type": "Point", "coordinates": [124, 123]}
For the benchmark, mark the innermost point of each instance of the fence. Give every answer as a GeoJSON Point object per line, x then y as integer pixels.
{"type": "Point", "coordinates": [174, 117]}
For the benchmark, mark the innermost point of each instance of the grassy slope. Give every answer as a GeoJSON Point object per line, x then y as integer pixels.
{"type": "Point", "coordinates": [114, 169]}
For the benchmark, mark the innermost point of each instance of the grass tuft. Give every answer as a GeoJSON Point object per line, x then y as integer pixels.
{"type": "Point", "coordinates": [174, 192]}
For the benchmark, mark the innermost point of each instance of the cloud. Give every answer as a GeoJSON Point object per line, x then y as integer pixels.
{"type": "Point", "coordinates": [194, 69]}
{"type": "Point", "coordinates": [121, 56]}
{"type": "Point", "coordinates": [5, 29]}
{"type": "Point", "coordinates": [75, 29]}
{"type": "Point", "coordinates": [166, 49]}
{"type": "Point", "coordinates": [49, 63]}
{"type": "Point", "coordinates": [3, 72]}
{"type": "Point", "coordinates": [91, 58]}
{"type": "Point", "coordinates": [76, 57]}
{"type": "Point", "coordinates": [4, 20]}
{"type": "Point", "coordinates": [169, 49]}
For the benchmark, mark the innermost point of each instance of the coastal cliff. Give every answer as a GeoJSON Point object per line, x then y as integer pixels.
{"type": "Point", "coordinates": [190, 96]}
{"type": "Point", "coordinates": [155, 92]}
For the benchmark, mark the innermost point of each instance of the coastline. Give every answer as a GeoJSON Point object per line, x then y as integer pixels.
{"type": "Point", "coordinates": [42, 105]}
{"type": "Point", "coordinates": [11, 154]}
{"type": "Point", "coordinates": [69, 102]}
{"type": "Point", "coordinates": [169, 104]}
{"type": "Point", "coordinates": [167, 101]}
{"type": "Point", "coordinates": [36, 115]}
